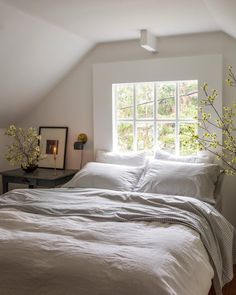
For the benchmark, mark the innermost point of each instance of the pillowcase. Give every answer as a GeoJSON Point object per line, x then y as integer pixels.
{"type": "Point", "coordinates": [201, 157]}
{"type": "Point", "coordinates": [129, 159]}
{"type": "Point", "coordinates": [178, 178]}
{"type": "Point", "coordinates": [106, 176]}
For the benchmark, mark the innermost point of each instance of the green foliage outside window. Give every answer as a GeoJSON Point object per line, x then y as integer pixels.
{"type": "Point", "coordinates": [124, 101]}
{"type": "Point", "coordinates": [188, 92]}
{"type": "Point", "coordinates": [166, 93]}
{"type": "Point", "coordinates": [145, 100]}
{"type": "Point", "coordinates": [166, 136]}
{"type": "Point", "coordinates": [146, 115]}
{"type": "Point", "coordinates": [145, 136]}
{"type": "Point", "coordinates": [125, 136]}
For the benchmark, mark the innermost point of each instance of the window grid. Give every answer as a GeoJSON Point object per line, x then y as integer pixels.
{"type": "Point", "coordinates": [134, 119]}
{"type": "Point", "coordinates": [155, 115]}
{"type": "Point", "coordinates": [177, 106]}
{"type": "Point", "coordinates": [177, 120]}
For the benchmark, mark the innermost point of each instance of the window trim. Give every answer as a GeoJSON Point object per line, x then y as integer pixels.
{"type": "Point", "coordinates": [155, 119]}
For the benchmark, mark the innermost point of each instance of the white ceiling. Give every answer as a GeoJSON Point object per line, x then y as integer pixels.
{"type": "Point", "coordinates": [40, 40]}
{"type": "Point", "coordinates": [107, 20]}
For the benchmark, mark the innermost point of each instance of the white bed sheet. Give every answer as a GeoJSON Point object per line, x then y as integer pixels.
{"type": "Point", "coordinates": [70, 255]}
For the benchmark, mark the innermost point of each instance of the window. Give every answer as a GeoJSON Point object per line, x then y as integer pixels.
{"type": "Point", "coordinates": [153, 114]}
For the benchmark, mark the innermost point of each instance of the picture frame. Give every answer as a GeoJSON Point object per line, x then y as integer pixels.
{"type": "Point", "coordinates": [53, 144]}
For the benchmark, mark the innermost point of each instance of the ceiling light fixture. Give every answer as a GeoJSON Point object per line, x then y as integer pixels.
{"type": "Point", "coordinates": [148, 41]}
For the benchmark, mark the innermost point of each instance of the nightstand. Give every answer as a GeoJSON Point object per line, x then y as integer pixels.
{"type": "Point", "coordinates": [40, 177]}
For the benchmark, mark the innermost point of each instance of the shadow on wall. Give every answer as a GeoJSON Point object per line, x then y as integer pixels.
{"type": "Point", "coordinates": [4, 165]}
{"type": "Point", "coordinates": [229, 198]}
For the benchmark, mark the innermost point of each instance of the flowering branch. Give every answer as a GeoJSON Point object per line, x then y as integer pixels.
{"type": "Point", "coordinates": [25, 149]}
{"type": "Point", "coordinates": [210, 141]}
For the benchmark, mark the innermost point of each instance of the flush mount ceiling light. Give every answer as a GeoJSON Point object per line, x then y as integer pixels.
{"type": "Point", "coordinates": [148, 41]}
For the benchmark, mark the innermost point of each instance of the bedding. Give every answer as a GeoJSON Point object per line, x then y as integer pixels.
{"type": "Point", "coordinates": [93, 241]}
{"type": "Point", "coordinates": [201, 157]}
{"type": "Point", "coordinates": [178, 178]}
{"type": "Point", "coordinates": [107, 176]}
{"type": "Point", "coordinates": [130, 159]}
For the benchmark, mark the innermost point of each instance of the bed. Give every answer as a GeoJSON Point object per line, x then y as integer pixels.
{"type": "Point", "coordinates": [112, 239]}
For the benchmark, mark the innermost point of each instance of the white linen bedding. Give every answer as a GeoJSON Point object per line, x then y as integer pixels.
{"type": "Point", "coordinates": [88, 241]}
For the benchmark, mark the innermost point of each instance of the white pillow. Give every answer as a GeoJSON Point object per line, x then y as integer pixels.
{"type": "Point", "coordinates": [106, 176]}
{"type": "Point", "coordinates": [130, 159]}
{"type": "Point", "coordinates": [201, 157]}
{"type": "Point", "coordinates": [178, 178]}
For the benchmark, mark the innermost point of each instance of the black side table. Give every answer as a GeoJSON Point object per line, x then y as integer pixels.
{"type": "Point", "coordinates": [40, 177]}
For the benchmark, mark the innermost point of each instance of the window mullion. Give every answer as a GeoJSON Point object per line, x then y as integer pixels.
{"type": "Point", "coordinates": [177, 142]}
{"type": "Point", "coordinates": [134, 119]}
{"type": "Point", "coordinates": [115, 141]}
{"type": "Point", "coordinates": [155, 119]}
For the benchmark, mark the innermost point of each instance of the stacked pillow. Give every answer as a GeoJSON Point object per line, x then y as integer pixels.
{"type": "Point", "coordinates": [193, 176]}
{"type": "Point", "coordinates": [106, 176]}
{"type": "Point", "coordinates": [130, 159]}
{"type": "Point", "coordinates": [201, 157]}
{"type": "Point", "coordinates": [179, 178]}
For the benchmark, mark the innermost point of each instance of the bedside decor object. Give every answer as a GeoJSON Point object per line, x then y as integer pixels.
{"type": "Point", "coordinates": [210, 141]}
{"type": "Point", "coordinates": [53, 143]}
{"type": "Point", "coordinates": [79, 145]}
{"type": "Point", "coordinates": [24, 150]}
{"type": "Point", "coordinates": [82, 137]}
{"type": "Point", "coordinates": [30, 168]}
{"type": "Point", "coordinates": [55, 159]}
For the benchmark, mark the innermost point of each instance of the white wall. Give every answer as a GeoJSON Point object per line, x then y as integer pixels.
{"type": "Point", "coordinates": [4, 165]}
{"type": "Point", "coordinates": [3, 143]}
{"type": "Point", "coordinates": [202, 68]}
{"type": "Point", "coordinates": [70, 103]}
{"type": "Point", "coordinates": [229, 185]}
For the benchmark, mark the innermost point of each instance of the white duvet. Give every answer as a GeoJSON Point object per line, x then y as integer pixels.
{"type": "Point", "coordinates": [73, 242]}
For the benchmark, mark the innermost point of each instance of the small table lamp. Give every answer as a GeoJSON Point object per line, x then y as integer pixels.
{"type": "Point", "coordinates": [79, 145]}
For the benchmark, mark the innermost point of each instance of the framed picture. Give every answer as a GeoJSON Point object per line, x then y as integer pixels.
{"type": "Point", "coordinates": [53, 144]}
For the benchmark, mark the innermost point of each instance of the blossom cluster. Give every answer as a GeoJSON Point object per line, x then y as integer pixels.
{"type": "Point", "coordinates": [25, 148]}
{"type": "Point", "coordinates": [224, 149]}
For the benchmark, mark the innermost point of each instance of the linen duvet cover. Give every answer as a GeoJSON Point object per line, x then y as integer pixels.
{"type": "Point", "coordinates": [94, 241]}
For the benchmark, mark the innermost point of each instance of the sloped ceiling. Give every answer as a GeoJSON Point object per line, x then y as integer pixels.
{"type": "Point", "coordinates": [41, 40]}
{"type": "Point", "coordinates": [224, 13]}
{"type": "Point", "coordinates": [34, 56]}
{"type": "Point", "coordinates": [109, 20]}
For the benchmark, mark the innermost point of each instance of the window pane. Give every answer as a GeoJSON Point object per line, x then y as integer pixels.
{"type": "Point", "coordinates": [139, 125]}
{"type": "Point", "coordinates": [145, 134]}
{"type": "Point", "coordinates": [125, 136]}
{"type": "Point", "coordinates": [188, 102]}
{"type": "Point", "coordinates": [144, 100]}
{"type": "Point", "coordinates": [187, 146]}
{"type": "Point", "coordinates": [125, 101]}
{"type": "Point", "coordinates": [166, 136]}
{"type": "Point", "coordinates": [166, 95]}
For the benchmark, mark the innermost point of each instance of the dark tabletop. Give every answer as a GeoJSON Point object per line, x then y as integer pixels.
{"type": "Point", "coordinates": [40, 173]}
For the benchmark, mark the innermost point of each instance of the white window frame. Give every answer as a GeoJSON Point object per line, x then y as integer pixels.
{"type": "Point", "coordinates": [204, 68]}
{"type": "Point", "coordinates": [177, 121]}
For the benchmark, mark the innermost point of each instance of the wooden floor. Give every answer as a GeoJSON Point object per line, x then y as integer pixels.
{"type": "Point", "coordinates": [230, 288]}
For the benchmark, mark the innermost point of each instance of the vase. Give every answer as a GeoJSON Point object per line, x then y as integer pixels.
{"type": "Point", "coordinates": [30, 168]}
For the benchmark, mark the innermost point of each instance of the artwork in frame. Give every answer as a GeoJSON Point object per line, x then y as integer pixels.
{"type": "Point", "coordinates": [53, 144]}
